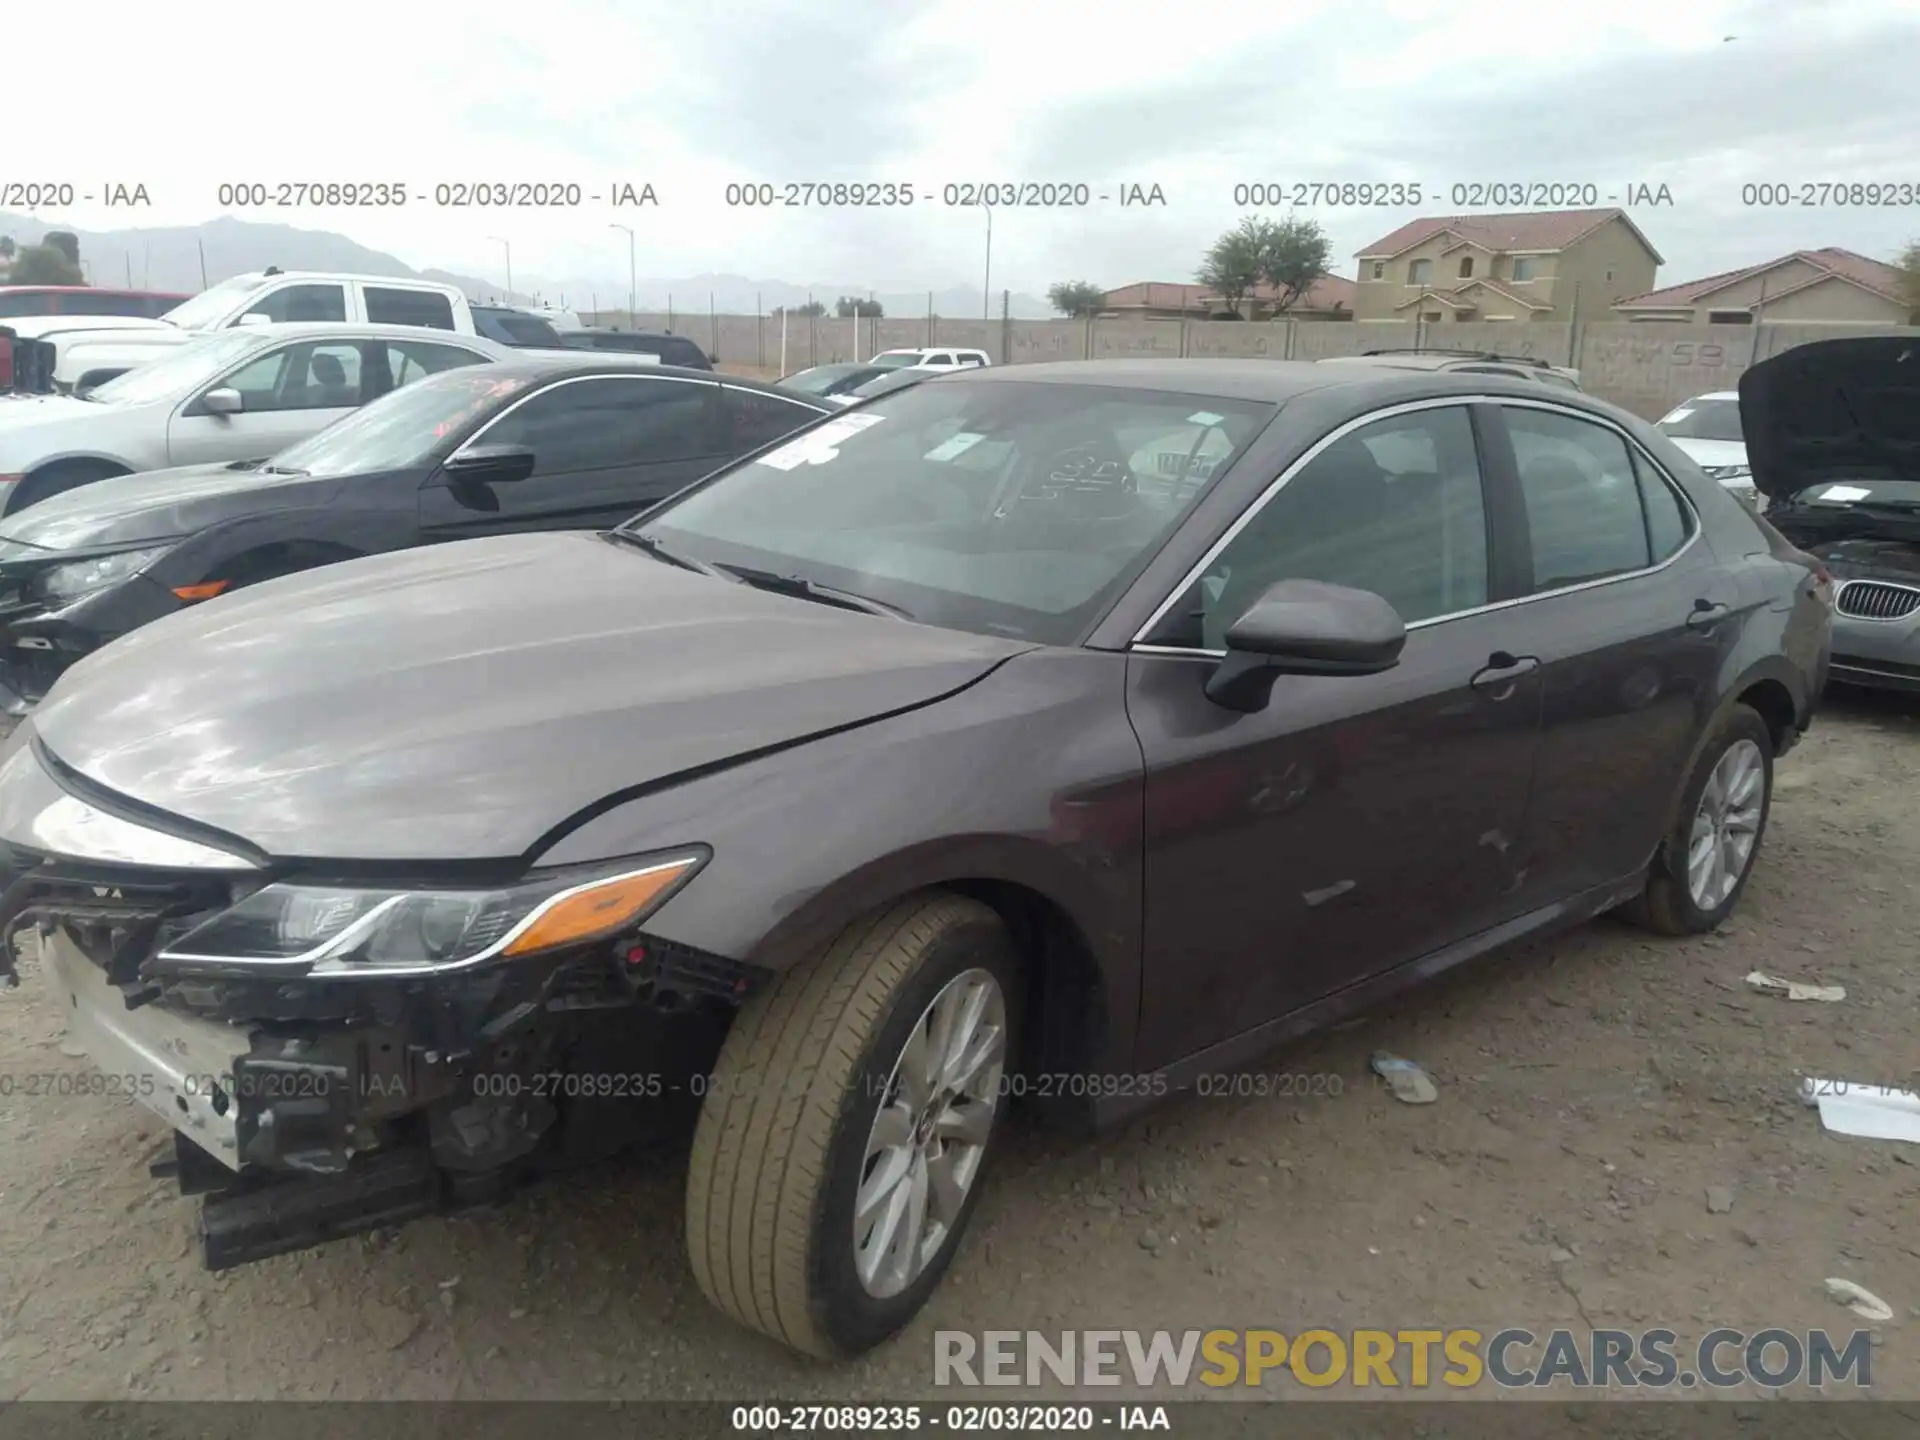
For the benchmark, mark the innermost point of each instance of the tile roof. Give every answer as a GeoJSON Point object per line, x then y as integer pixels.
{"type": "Point", "coordinates": [1832, 260]}
{"type": "Point", "coordinates": [1544, 230]}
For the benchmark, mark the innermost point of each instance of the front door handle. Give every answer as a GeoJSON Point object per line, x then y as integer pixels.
{"type": "Point", "coordinates": [1706, 614]}
{"type": "Point", "coordinates": [1501, 671]}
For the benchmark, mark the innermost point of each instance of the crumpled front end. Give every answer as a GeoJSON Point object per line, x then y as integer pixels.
{"type": "Point", "coordinates": [315, 1092]}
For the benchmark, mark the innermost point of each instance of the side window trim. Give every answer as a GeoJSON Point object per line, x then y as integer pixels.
{"type": "Point", "coordinates": [1473, 403]}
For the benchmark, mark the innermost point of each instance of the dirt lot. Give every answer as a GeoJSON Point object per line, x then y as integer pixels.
{"type": "Point", "coordinates": [1592, 1089]}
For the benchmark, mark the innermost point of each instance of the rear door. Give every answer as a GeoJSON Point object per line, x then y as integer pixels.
{"type": "Point", "coordinates": [1631, 614]}
{"type": "Point", "coordinates": [288, 393]}
{"type": "Point", "coordinates": [605, 446]}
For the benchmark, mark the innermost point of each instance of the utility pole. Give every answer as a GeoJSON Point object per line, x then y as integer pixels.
{"type": "Point", "coordinates": [203, 263]}
{"type": "Point", "coordinates": [632, 282]}
{"type": "Point", "coordinates": [986, 280]}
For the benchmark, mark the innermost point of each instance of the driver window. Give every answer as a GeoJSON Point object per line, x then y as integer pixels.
{"type": "Point", "coordinates": [1393, 507]}
{"type": "Point", "coordinates": [292, 304]}
{"type": "Point", "coordinates": [312, 375]}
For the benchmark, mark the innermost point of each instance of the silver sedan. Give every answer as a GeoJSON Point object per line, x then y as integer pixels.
{"type": "Point", "coordinates": [234, 395]}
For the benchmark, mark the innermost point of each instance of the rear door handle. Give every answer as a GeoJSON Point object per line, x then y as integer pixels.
{"type": "Point", "coordinates": [1706, 614]}
{"type": "Point", "coordinates": [1501, 671]}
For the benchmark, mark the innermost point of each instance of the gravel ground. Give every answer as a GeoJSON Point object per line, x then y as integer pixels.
{"type": "Point", "coordinates": [1617, 1142]}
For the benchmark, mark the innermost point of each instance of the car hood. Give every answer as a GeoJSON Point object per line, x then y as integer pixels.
{"type": "Point", "coordinates": [45, 327]}
{"type": "Point", "coordinates": [153, 505]}
{"type": "Point", "coordinates": [23, 410]}
{"type": "Point", "coordinates": [460, 702]}
{"type": "Point", "coordinates": [1833, 410]}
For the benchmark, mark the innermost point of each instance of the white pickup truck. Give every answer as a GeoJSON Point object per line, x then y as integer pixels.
{"type": "Point", "coordinates": [90, 350]}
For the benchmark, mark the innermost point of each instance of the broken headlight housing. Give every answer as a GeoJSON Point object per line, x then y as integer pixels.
{"type": "Point", "coordinates": [343, 930]}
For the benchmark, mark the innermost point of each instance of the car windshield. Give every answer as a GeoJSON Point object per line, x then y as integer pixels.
{"type": "Point", "coordinates": [213, 304]}
{"type": "Point", "coordinates": [176, 371]}
{"type": "Point", "coordinates": [1704, 420]}
{"type": "Point", "coordinates": [829, 379]}
{"type": "Point", "coordinates": [403, 427]}
{"type": "Point", "coordinates": [1016, 508]}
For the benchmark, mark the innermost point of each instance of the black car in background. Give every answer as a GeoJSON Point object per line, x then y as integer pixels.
{"type": "Point", "coordinates": [507, 326]}
{"type": "Point", "coordinates": [544, 443]}
{"type": "Point", "coordinates": [671, 349]}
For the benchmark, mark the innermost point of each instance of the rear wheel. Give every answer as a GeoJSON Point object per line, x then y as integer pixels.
{"type": "Point", "coordinates": [853, 1108]}
{"type": "Point", "coordinates": [1703, 863]}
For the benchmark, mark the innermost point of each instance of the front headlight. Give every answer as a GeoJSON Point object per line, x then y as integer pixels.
{"type": "Point", "coordinates": [348, 930]}
{"type": "Point", "coordinates": [65, 583]}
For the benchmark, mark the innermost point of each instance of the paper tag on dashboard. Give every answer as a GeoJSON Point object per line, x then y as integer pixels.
{"type": "Point", "coordinates": [954, 446]}
{"type": "Point", "coordinates": [820, 444]}
{"type": "Point", "coordinates": [1843, 492]}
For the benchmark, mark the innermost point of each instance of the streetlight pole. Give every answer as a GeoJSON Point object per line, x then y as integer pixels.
{"type": "Point", "coordinates": [509, 249]}
{"type": "Point", "coordinates": [986, 280]}
{"type": "Point", "coordinates": [632, 283]}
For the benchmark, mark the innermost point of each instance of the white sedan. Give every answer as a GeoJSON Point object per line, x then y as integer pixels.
{"type": "Point", "coordinates": [233, 395]}
{"type": "Point", "coordinates": [1707, 429]}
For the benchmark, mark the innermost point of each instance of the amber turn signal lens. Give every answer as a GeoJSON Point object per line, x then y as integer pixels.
{"type": "Point", "coordinates": [201, 592]}
{"type": "Point", "coordinates": [597, 909]}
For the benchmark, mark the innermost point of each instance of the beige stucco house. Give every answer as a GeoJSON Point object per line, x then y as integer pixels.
{"type": "Point", "coordinates": [1520, 267]}
{"type": "Point", "coordinates": [1830, 286]}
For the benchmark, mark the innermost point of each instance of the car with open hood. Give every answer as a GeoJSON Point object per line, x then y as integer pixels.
{"type": "Point", "coordinates": [949, 753]}
{"type": "Point", "coordinates": [540, 441]}
{"type": "Point", "coordinates": [1833, 437]}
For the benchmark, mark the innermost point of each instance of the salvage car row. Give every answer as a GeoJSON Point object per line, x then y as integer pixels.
{"type": "Point", "coordinates": [1112, 720]}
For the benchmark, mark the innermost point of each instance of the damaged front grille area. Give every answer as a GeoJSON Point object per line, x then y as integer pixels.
{"type": "Point", "coordinates": [116, 919]}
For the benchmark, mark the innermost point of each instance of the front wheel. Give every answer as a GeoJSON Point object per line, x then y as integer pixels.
{"type": "Point", "coordinates": [1704, 861]}
{"type": "Point", "coordinates": [850, 1115]}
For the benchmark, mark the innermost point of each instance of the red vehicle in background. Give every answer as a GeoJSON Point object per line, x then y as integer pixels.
{"type": "Point", "coordinates": [18, 300]}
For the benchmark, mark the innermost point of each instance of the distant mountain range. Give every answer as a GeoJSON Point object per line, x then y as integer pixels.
{"type": "Point", "coordinates": [169, 257]}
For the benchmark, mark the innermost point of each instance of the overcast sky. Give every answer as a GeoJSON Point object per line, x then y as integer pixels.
{"type": "Point", "coordinates": [1193, 97]}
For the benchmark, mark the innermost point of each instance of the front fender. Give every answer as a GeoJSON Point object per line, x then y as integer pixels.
{"type": "Point", "coordinates": [1032, 778]}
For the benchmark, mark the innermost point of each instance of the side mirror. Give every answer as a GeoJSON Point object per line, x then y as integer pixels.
{"type": "Point", "coordinates": [489, 465]}
{"type": "Point", "coordinates": [222, 401]}
{"type": "Point", "coordinates": [1305, 627]}
{"type": "Point", "coordinates": [251, 319]}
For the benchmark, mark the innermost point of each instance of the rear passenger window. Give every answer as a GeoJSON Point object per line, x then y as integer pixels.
{"type": "Point", "coordinates": [409, 307]}
{"type": "Point", "coordinates": [1582, 498]}
{"type": "Point", "coordinates": [1667, 522]}
{"type": "Point", "coordinates": [1393, 507]}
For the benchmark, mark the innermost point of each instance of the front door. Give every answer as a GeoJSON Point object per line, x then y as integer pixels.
{"type": "Point", "coordinates": [1354, 823]}
{"type": "Point", "coordinates": [605, 446]}
{"type": "Point", "coordinates": [286, 394]}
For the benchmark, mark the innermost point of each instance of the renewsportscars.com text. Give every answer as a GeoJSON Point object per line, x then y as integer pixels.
{"type": "Point", "coordinates": [1412, 1359]}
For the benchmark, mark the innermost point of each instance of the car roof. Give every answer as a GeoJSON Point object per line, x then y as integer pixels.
{"type": "Point", "coordinates": [1270, 381]}
{"type": "Point", "coordinates": [541, 364]}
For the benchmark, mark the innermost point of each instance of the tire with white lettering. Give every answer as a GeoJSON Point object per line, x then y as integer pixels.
{"type": "Point", "coordinates": [850, 1115]}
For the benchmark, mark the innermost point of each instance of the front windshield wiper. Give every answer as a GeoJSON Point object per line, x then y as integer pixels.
{"type": "Point", "coordinates": [802, 588]}
{"type": "Point", "coordinates": [648, 545]}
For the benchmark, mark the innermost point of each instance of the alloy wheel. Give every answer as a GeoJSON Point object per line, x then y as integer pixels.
{"type": "Point", "coordinates": [1726, 825]}
{"type": "Point", "coordinates": [927, 1142]}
